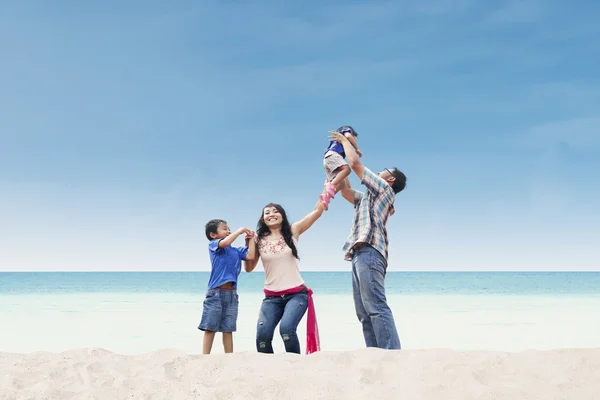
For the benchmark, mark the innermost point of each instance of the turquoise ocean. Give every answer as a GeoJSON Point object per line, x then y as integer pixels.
{"type": "Point", "coordinates": [137, 312]}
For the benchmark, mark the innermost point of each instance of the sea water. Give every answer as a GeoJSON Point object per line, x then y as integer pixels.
{"type": "Point", "coordinates": [136, 312]}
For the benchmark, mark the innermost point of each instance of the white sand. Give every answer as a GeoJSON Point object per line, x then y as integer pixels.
{"type": "Point", "coordinates": [366, 374]}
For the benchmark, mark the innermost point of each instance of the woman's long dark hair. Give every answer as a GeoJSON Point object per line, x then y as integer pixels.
{"type": "Point", "coordinates": [262, 229]}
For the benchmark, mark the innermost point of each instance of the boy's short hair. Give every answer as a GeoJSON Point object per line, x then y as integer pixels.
{"type": "Point", "coordinates": [347, 129]}
{"type": "Point", "coordinates": [212, 226]}
{"type": "Point", "coordinates": [400, 181]}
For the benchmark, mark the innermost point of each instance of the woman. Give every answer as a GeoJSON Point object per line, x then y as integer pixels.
{"type": "Point", "coordinates": [286, 296]}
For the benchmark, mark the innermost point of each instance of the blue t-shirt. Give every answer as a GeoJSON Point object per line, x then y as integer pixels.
{"type": "Point", "coordinates": [337, 147]}
{"type": "Point", "coordinates": [226, 263]}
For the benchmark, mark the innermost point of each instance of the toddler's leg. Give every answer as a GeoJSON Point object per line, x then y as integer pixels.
{"type": "Point", "coordinates": [338, 182]}
{"type": "Point", "coordinates": [228, 342]}
{"type": "Point", "coordinates": [209, 338]}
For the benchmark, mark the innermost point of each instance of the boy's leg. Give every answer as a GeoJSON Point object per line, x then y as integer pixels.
{"type": "Point", "coordinates": [228, 342]}
{"type": "Point", "coordinates": [230, 304]}
{"type": "Point", "coordinates": [271, 311]}
{"type": "Point", "coordinates": [207, 342]}
{"type": "Point", "coordinates": [211, 319]}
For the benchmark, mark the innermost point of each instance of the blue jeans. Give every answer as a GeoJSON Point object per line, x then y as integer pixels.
{"type": "Point", "coordinates": [220, 311]}
{"type": "Point", "coordinates": [368, 287]}
{"type": "Point", "coordinates": [287, 309]}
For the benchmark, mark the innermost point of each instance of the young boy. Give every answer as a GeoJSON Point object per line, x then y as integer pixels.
{"type": "Point", "coordinates": [336, 167]}
{"type": "Point", "coordinates": [220, 308]}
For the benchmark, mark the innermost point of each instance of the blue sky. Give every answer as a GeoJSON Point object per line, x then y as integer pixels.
{"type": "Point", "coordinates": [125, 127]}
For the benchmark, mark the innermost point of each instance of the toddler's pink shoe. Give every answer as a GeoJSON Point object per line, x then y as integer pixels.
{"type": "Point", "coordinates": [330, 189]}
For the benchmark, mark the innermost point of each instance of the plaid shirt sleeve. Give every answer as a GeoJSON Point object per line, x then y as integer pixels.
{"type": "Point", "coordinates": [357, 197]}
{"type": "Point", "coordinates": [374, 183]}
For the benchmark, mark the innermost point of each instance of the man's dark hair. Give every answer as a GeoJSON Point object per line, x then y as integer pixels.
{"type": "Point", "coordinates": [212, 226]}
{"type": "Point", "coordinates": [400, 181]}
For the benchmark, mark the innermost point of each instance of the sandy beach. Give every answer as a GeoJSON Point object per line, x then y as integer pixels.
{"type": "Point", "coordinates": [359, 374]}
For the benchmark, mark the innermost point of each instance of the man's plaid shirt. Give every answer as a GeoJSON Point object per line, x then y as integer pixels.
{"type": "Point", "coordinates": [371, 212]}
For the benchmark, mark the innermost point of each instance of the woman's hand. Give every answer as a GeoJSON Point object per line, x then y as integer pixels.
{"type": "Point", "coordinates": [249, 236]}
{"type": "Point", "coordinates": [320, 206]}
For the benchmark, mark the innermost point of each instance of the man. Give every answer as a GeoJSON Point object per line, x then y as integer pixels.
{"type": "Point", "coordinates": [367, 246]}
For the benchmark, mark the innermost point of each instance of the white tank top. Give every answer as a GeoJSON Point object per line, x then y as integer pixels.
{"type": "Point", "coordinates": [282, 270]}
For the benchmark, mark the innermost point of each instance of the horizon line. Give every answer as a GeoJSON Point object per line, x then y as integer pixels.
{"type": "Point", "coordinates": [317, 271]}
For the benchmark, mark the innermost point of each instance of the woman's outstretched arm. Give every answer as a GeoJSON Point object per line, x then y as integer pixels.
{"type": "Point", "coordinates": [252, 258]}
{"type": "Point", "coordinates": [249, 265]}
{"type": "Point", "coordinates": [298, 228]}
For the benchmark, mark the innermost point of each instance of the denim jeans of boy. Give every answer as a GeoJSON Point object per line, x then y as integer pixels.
{"type": "Point", "coordinates": [220, 311]}
{"type": "Point", "coordinates": [287, 311]}
{"type": "Point", "coordinates": [368, 287]}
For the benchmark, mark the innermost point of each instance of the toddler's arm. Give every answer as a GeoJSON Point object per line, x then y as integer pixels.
{"type": "Point", "coordinates": [354, 143]}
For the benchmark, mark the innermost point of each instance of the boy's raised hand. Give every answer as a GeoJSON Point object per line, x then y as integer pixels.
{"type": "Point", "coordinates": [242, 230]}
